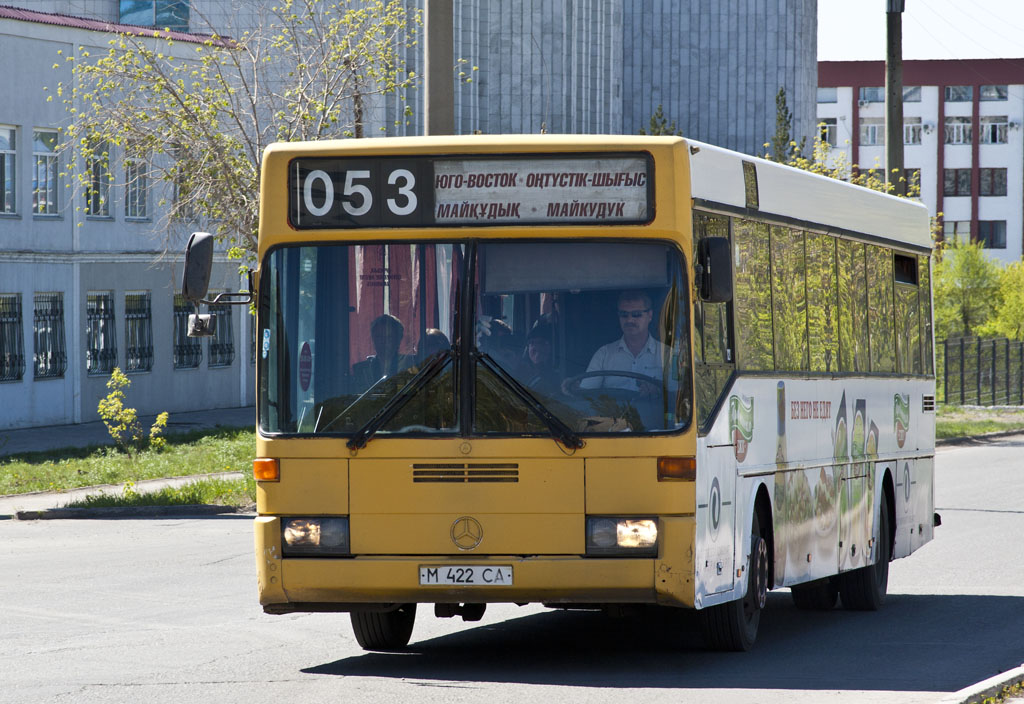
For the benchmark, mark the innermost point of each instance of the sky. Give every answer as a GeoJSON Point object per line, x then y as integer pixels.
{"type": "Point", "coordinates": [854, 30]}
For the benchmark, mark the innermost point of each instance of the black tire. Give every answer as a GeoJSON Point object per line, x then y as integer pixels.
{"type": "Point", "coordinates": [384, 630]}
{"type": "Point", "coordinates": [732, 626]}
{"type": "Point", "coordinates": [819, 595]}
{"type": "Point", "coordinates": [864, 589]}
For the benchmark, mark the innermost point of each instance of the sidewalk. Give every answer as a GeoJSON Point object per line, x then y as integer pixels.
{"type": "Point", "coordinates": [54, 437]}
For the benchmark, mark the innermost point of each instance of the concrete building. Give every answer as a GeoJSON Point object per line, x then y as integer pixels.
{"type": "Point", "coordinates": [84, 286]}
{"type": "Point", "coordinates": [961, 132]}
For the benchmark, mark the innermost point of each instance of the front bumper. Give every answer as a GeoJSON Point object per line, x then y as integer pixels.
{"type": "Point", "coordinates": [342, 584]}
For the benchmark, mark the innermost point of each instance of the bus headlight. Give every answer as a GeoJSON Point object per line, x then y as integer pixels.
{"type": "Point", "coordinates": [314, 536]}
{"type": "Point", "coordinates": [610, 535]}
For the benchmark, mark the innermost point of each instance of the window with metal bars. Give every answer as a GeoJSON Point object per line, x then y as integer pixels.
{"type": "Point", "coordinates": [222, 344]}
{"type": "Point", "coordinates": [12, 342]}
{"type": "Point", "coordinates": [49, 357]}
{"type": "Point", "coordinates": [188, 351]}
{"type": "Point", "coordinates": [138, 332]}
{"type": "Point", "coordinates": [100, 335]}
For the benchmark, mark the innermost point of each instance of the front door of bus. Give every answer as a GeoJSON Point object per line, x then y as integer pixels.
{"type": "Point", "coordinates": [716, 511]}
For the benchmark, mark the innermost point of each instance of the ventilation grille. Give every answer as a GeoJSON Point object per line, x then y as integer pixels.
{"type": "Point", "coordinates": [458, 473]}
{"type": "Point", "coordinates": [928, 404]}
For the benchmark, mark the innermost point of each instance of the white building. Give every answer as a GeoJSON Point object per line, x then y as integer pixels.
{"type": "Point", "coordinates": [961, 132]}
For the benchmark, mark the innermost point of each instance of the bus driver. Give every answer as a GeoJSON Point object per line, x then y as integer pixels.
{"type": "Point", "coordinates": [636, 351]}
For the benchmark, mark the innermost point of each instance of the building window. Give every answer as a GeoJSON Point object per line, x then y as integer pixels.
{"type": "Point", "coordinates": [992, 234]}
{"type": "Point", "coordinates": [827, 95]}
{"type": "Point", "coordinates": [12, 344]}
{"type": "Point", "coordinates": [993, 93]}
{"type": "Point", "coordinates": [97, 196]}
{"type": "Point", "coordinates": [163, 14]}
{"type": "Point", "coordinates": [911, 94]}
{"type": "Point", "coordinates": [45, 174]}
{"type": "Point", "coordinates": [188, 351]}
{"type": "Point", "coordinates": [954, 231]}
{"type": "Point", "coordinates": [828, 128]}
{"type": "Point", "coordinates": [872, 94]}
{"type": "Point", "coordinates": [222, 344]}
{"type": "Point", "coordinates": [100, 336]}
{"type": "Point", "coordinates": [958, 130]}
{"type": "Point", "coordinates": [872, 132]}
{"type": "Point", "coordinates": [50, 357]}
{"type": "Point", "coordinates": [8, 169]}
{"type": "Point", "coordinates": [958, 94]}
{"type": "Point", "coordinates": [136, 188]}
{"type": "Point", "coordinates": [912, 130]}
{"type": "Point", "coordinates": [993, 129]}
{"type": "Point", "coordinates": [956, 182]}
{"type": "Point", "coordinates": [992, 182]}
{"type": "Point", "coordinates": [138, 332]}
{"type": "Point", "coordinates": [912, 177]}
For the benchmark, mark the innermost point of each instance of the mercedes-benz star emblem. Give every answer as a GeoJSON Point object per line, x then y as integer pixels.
{"type": "Point", "coordinates": [467, 533]}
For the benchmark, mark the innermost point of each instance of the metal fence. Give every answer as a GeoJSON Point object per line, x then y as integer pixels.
{"type": "Point", "coordinates": [982, 371]}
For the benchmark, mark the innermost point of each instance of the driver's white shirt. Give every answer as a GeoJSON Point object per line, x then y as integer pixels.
{"type": "Point", "coordinates": [615, 356]}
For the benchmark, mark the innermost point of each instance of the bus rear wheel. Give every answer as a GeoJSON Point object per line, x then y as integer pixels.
{"type": "Point", "coordinates": [733, 625]}
{"type": "Point", "coordinates": [864, 589]}
{"type": "Point", "coordinates": [384, 630]}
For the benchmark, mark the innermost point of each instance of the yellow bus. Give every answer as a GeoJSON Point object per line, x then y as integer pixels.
{"type": "Point", "coordinates": [586, 372]}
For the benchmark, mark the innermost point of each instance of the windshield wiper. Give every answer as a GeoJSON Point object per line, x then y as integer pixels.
{"type": "Point", "coordinates": [559, 430]}
{"type": "Point", "coordinates": [396, 402]}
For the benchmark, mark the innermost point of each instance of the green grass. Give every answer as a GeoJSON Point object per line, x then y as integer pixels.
{"type": "Point", "coordinates": [195, 452]}
{"type": "Point", "coordinates": [215, 490]}
{"type": "Point", "coordinates": [966, 421]}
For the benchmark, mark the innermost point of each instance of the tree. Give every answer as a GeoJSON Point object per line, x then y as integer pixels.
{"type": "Point", "coordinates": [200, 115]}
{"type": "Point", "coordinates": [966, 289]}
{"type": "Point", "coordinates": [1008, 315]}
{"type": "Point", "coordinates": [784, 148]}
{"type": "Point", "coordinates": [661, 126]}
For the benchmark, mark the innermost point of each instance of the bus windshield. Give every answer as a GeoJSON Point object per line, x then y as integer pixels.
{"type": "Point", "coordinates": [588, 336]}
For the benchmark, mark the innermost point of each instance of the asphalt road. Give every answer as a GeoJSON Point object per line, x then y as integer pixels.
{"type": "Point", "coordinates": [164, 610]}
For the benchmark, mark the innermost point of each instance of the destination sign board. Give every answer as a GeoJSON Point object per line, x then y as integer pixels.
{"type": "Point", "coordinates": [331, 193]}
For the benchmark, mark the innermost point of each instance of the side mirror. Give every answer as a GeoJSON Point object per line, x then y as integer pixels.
{"type": "Point", "coordinates": [714, 259]}
{"type": "Point", "coordinates": [195, 279]}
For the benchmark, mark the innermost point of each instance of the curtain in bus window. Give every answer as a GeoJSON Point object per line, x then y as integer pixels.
{"type": "Point", "coordinates": [822, 303]}
{"type": "Point", "coordinates": [853, 307]}
{"type": "Point", "coordinates": [789, 298]}
{"type": "Point", "coordinates": [880, 309]}
{"type": "Point", "coordinates": [752, 297]}
{"type": "Point", "coordinates": [713, 348]}
{"type": "Point", "coordinates": [925, 292]}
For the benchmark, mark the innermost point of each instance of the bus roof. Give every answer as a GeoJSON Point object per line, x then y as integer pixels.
{"type": "Point", "coordinates": [716, 176]}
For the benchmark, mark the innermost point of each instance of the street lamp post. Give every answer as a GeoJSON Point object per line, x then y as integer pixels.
{"type": "Point", "coordinates": [894, 96]}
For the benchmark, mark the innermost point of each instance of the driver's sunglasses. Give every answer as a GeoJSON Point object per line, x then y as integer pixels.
{"type": "Point", "coordinates": [633, 313]}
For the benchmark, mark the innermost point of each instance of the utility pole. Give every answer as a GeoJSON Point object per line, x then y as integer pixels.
{"type": "Point", "coordinates": [439, 62]}
{"type": "Point", "coordinates": [894, 96]}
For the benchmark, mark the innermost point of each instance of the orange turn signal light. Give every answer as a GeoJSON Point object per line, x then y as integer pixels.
{"type": "Point", "coordinates": [266, 469]}
{"type": "Point", "coordinates": [677, 469]}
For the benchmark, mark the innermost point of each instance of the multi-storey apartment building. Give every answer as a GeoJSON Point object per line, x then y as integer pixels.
{"type": "Point", "coordinates": [961, 135]}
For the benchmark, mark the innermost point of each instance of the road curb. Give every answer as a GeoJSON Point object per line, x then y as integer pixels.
{"type": "Point", "coordinates": [987, 688]}
{"type": "Point", "coordinates": [183, 510]}
{"type": "Point", "coordinates": [969, 439]}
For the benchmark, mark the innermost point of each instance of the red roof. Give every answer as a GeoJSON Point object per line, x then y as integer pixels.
{"type": "Point", "coordinates": [17, 13]}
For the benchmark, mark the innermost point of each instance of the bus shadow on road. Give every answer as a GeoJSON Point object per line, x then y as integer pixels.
{"type": "Point", "coordinates": [935, 643]}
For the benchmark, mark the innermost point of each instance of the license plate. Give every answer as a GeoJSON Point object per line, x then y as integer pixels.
{"type": "Point", "coordinates": [466, 575]}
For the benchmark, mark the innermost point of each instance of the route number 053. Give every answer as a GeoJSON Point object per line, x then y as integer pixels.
{"type": "Point", "coordinates": [325, 195]}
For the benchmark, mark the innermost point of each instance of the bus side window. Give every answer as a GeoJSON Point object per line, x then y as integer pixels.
{"type": "Point", "coordinates": [713, 346]}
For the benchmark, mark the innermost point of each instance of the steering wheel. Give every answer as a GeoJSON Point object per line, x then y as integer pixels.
{"type": "Point", "coordinates": [571, 386]}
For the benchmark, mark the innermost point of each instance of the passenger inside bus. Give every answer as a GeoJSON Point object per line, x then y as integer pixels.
{"type": "Point", "coordinates": [536, 369]}
{"type": "Point", "coordinates": [386, 333]}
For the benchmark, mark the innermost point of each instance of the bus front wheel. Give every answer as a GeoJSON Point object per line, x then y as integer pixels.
{"type": "Point", "coordinates": [384, 630]}
{"type": "Point", "coordinates": [733, 625]}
